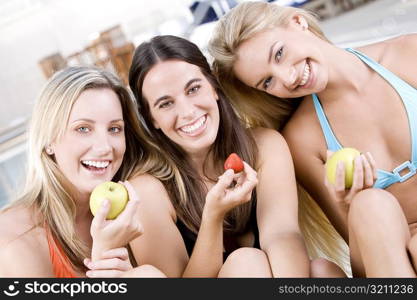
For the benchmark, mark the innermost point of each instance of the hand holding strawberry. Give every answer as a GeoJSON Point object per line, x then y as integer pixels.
{"type": "Point", "coordinates": [234, 162]}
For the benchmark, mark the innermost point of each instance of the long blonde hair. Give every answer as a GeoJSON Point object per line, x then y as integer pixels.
{"type": "Point", "coordinates": [258, 108]}
{"type": "Point", "coordinates": [47, 191]}
{"type": "Point", "coordinates": [240, 24]}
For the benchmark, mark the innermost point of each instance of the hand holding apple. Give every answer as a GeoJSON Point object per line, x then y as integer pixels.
{"type": "Point", "coordinates": [118, 232]}
{"type": "Point", "coordinates": [347, 156]}
{"type": "Point", "coordinates": [116, 193]}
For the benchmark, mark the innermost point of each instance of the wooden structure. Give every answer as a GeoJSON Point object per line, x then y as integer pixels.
{"type": "Point", "coordinates": [110, 50]}
{"type": "Point", "coordinates": [51, 64]}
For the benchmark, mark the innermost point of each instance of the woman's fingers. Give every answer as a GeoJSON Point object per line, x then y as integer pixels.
{"type": "Point", "coordinates": [367, 172]}
{"type": "Point", "coordinates": [328, 154]}
{"type": "Point", "coordinates": [223, 183]}
{"type": "Point", "coordinates": [131, 191]}
{"type": "Point", "coordinates": [251, 174]}
{"type": "Point", "coordinates": [104, 273]}
{"type": "Point", "coordinates": [86, 261]}
{"type": "Point", "coordinates": [242, 192]}
{"type": "Point", "coordinates": [133, 203]}
{"type": "Point", "coordinates": [128, 218]}
{"type": "Point", "coordinates": [223, 196]}
{"type": "Point", "coordinates": [110, 264]}
{"type": "Point", "coordinates": [130, 211]}
{"type": "Point", "coordinates": [371, 161]}
{"type": "Point", "coordinates": [339, 186]}
{"type": "Point", "coordinates": [358, 178]}
{"type": "Point", "coordinates": [100, 217]}
{"type": "Point", "coordinates": [121, 253]}
{"type": "Point", "coordinates": [364, 176]}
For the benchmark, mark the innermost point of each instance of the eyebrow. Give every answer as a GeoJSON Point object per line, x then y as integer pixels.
{"type": "Point", "coordinates": [269, 61]}
{"type": "Point", "coordinates": [92, 121]}
{"type": "Point", "coordinates": [187, 85]}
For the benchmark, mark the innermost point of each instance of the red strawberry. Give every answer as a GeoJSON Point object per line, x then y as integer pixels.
{"type": "Point", "coordinates": [234, 162]}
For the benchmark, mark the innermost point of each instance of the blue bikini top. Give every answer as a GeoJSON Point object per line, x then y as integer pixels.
{"type": "Point", "coordinates": [408, 95]}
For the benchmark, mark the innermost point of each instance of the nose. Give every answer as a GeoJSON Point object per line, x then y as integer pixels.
{"type": "Point", "coordinates": [186, 108]}
{"type": "Point", "coordinates": [102, 145]}
{"type": "Point", "coordinates": [287, 76]}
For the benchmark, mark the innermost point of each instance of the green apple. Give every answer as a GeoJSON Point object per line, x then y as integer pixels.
{"type": "Point", "coordinates": [347, 155]}
{"type": "Point", "coordinates": [116, 193]}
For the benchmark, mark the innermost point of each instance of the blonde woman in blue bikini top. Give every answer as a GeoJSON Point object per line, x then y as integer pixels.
{"type": "Point", "coordinates": [280, 70]}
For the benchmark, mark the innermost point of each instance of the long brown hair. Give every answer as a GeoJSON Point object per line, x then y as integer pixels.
{"type": "Point", "coordinates": [184, 185]}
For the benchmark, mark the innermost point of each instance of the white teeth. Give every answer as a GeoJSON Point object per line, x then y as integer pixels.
{"type": "Point", "coordinates": [97, 164]}
{"type": "Point", "coordinates": [306, 75]}
{"type": "Point", "coordinates": [195, 126]}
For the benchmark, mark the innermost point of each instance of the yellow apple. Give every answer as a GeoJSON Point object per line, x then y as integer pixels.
{"type": "Point", "coordinates": [116, 193]}
{"type": "Point", "coordinates": [347, 155]}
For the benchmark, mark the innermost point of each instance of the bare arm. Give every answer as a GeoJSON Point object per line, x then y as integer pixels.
{"type": "Point", "coordinates": [277, 208]}
{"type": "Point", "coordinates": [305, 143]}
{"type": "Point", "coordinates": [161, 244]}
{"type": "Point", "coordinates": [25, 257]}
{"type": "Point", "coordinates": [207, 257]}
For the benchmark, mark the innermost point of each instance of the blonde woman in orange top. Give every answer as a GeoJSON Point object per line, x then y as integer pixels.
{"type": "Point", "coordinates": [83, 132]}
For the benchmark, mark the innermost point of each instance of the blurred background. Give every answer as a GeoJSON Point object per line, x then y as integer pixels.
{"type": "Point", "coordinates": [39, 37]}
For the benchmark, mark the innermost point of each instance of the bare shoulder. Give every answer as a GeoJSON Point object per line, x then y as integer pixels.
{"type": "Point", "coordinates": [303, 132]}
{"type": "Point", "coordinates": [14, 222]}
{"type": "Point", "coordinates": [397, 55]}
{"type": "Point", "coordinates": [146, 181]}
{"type": "Point", "coordinates": [266, 136]}
{"type": "Point", "coordinates": [23, 246]}
{"type": "Point", "coordinates": [271, 147]}
{"type": "Point", "coordinates": [161, 244]}
{"type": "Point", "coordinates": [153, 193]}
{"type": "Point", "coordinates": [392, 48]}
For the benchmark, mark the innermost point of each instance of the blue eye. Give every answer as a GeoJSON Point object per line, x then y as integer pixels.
{"type": "Point", "coordinates": [267, 83]}
{"type": "Point", "coordinates": [279, 53]}
{"type": "Point", "coordinates": [83, 129]}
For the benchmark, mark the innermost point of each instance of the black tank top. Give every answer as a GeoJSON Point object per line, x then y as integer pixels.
{"type": "Point", "coordinates": [229, 241]}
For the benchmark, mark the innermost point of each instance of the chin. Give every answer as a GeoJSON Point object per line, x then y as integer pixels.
{"type": "Point", "coordinates": [210, 139]}
{"type": "Point", "coordinates": [200, 146]}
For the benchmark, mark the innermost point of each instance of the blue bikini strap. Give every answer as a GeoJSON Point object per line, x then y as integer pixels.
{"type": "Point", "coordinates": [332, 143]}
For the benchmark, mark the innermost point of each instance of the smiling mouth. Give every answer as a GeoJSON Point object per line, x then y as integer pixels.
{"type": "Point", "coordinates": [306, 74]}
{"type": "Point", "coordinates": [195, 126]}
{"type": "Point", "coordinates": [95, 166]}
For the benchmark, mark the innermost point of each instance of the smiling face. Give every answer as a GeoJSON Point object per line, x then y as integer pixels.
{"type": "Point", "coordinates": [92, 147]}
{"type": "Point", "coordinates": [285, 62]}
{"type": "Point", "coordinates": [183, 105]}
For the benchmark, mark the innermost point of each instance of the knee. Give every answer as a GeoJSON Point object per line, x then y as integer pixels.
{"type": "Point", "coordinates": [246, 262]}
{"type": "Point", "coordinates": [412, 247]}
{"type": "Point", "coordinates": [151, 271]}
{"type": "Point", "coordinates": [371, 203]}
{"type": "Point", "coordinates": [246, 254]}
{"type": "Point", "coordinates": [323, 268]}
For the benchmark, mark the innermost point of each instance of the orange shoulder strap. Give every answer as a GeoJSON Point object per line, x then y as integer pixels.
{"type": "Point", "coordinates": [60, 262]}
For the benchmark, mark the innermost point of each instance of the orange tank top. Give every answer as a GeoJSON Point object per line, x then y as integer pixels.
{"type": "Point", "coordinates": [60, 262]}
